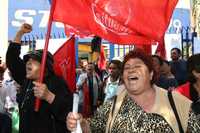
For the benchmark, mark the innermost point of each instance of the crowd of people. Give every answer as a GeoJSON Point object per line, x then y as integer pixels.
{"type": "Point", "coordinates": [141, 93]}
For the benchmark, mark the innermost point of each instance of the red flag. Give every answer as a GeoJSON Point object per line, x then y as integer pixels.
{"type": "Point", "coordinates": [184, 90]}
{"type": "Point", "coordinates": [102, 59]}
{"type": "Point", "coordinates": [119, 21]}
{"type": "Point", "coordinates": [146, 48]}
{"type": "Point", "coordinates": [161, 49]}
{"type": "Point", "coordinates": [64, 63]}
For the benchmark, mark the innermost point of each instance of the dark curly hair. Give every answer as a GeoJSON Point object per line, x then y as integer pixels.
{"type": "Point", "coordinates": [160, 60]}
{"type": "Point", "coordinates": [140, 54]}
{"type": "Point", "coordinates": [117, 63]}
{"type": "Point", "coordinates": [193, 63]}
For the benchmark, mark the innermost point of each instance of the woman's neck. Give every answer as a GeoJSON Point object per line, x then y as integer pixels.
{"type": "Point", "coordinates": [145, 100]}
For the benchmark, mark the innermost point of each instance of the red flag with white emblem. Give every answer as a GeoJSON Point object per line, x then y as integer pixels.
{"type": "Point", "coordinates": [119, 21]}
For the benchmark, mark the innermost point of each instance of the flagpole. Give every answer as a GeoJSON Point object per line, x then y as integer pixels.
{"type": "Point", "coordinates": [44, 55]}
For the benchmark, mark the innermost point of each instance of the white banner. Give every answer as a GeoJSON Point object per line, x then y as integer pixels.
{"type": "Point", "coordinates": [172, 41]}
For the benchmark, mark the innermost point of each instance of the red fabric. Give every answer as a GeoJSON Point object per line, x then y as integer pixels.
{"type": "Point", "coordinates": [184, 90]}
{"type": "Point", "coordinates": [146, 48]}
{"type": "Point", "coordinates": [102, 59]}
{"type": "Point", "coordinates": [119, 21]}
{"type": "Point", "coordinates": [161, 49]}
{"type": "Point", "coordinates": [86, 101]}
{"type": "Point", "coordinates": [64, 63]}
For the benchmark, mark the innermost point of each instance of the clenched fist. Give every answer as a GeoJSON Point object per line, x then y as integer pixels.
{"type": "Point", "coordinates": [41, 91]}
{"type": "Point", "coordinates": [25, 28]}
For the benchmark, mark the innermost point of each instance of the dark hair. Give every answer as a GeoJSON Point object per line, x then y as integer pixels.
{"type": "Point", "coordinates": [140, 54]}
{"type": "Point", "coordinates": [117, 63]}
{"type": "Point", "coordinates": [159, 59]}
{"type": "Point", "coordinates": [177, 49]}
{"type": "Point", "coordinates": [193, 63]}
{"type": "Point", "coordinates": [37, 55]}
{"type": "Point", "coordinates": [167, 62]}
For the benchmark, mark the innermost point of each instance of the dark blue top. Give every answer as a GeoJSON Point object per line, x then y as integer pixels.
{"type": "Point", "coordinates": [179, 69]}
{"type": "Point", "coordinates": [166, 83]}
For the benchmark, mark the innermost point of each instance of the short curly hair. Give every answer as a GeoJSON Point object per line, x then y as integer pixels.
{"type": "Point", "coordinates": [147, 59]}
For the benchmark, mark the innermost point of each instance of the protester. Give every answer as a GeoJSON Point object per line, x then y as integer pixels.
{"type": "Point", "coordinates": [93, 82]}
{"type": "Point", "coordinates": [2, 89]}
{"type": "Point", "coordinates": [111, 83]}
{"type": "Point", "coordinates": [166, 72]}
{"type": "Point", "coordinates": [56, 100]}
{"type": "Point", "coordinates": [140, 106]}
{"type": "Point", "coordinates": [178, 66]}
{"type": "Point", "coordinates": [166, 69]}
{"type": "Point", "coordinates": [5, 120]}
{"type": "Point", "coordinates": [162, 80]}
{"type": "Point", "coordinates": [192, 88]}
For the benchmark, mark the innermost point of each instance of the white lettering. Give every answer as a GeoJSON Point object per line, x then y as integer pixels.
{"type": "Point", "coordinates": [27, 16]}
{"type": "Point", "coordinates": [44, 19]}
{"type": "Point", "coordinates": [21, 18]}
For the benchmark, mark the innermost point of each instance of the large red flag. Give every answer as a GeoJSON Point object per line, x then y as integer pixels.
{"type": "Point", "coordinates": [119, 21]}
{"type": "Point", "coordinates": [64, 63]}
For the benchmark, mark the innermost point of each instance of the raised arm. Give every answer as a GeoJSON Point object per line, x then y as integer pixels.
{"type": "Point", "coordinates": [14, 63]}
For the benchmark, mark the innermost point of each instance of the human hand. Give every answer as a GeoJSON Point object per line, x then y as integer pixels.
{"type": "Point", "coordinates": [41, 91]}
{"type": "Point", "coordinates": [25, 28]}
{"type": "Point", "coordinates": [71, 121]}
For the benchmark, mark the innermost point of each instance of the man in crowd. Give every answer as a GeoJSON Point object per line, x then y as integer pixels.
{"type": "Point", "coordinates": [5, 121]}
{"type": "Point", "coordinates": [178, 66]}
{"type": "Point", "coordinates": [112, 82]}
{"type": "Point", "coordinates": [94, 85]}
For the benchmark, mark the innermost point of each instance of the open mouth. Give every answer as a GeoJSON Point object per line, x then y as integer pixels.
{"type": "Point", "coordinates": [133, 78]}
{"type": "Point", "coordinates": [107, 22]}
{"type": "Point", "coordinates": [28, 69]}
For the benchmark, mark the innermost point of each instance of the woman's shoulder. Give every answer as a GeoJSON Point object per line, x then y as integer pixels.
{"type": "Point", "coordinates": [182, 105]}
{"type": "Point", "coordinates": [176, 95]}
{"type": "Point", "coordinates": [181, 98]}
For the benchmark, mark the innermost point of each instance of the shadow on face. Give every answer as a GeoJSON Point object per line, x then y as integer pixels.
{"type": "Point", "coordinates": [32, 69]}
